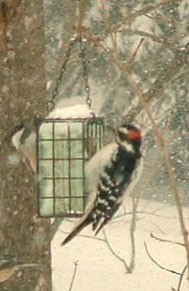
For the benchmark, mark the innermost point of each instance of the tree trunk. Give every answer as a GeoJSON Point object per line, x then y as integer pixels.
{"type": "Point", "coordinates": [22, 96]}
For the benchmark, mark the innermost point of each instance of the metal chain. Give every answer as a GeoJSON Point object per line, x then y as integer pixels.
{"type": "Point", "coordinates": [50, 103]}
{"type": "Point", "coordinates": [85, 74]}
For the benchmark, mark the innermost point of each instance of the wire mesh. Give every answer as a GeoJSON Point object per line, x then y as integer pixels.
{"type": "Point", "coordinates": [63, 147]}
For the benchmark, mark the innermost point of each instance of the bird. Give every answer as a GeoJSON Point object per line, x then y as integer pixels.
{"type": "Point", "coordinates": [25, 140]}
{"type": "Point", "coordinates": [111, 173]}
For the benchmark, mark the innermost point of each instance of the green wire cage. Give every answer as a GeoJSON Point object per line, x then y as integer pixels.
{"type": "Point", "coordinates": [63, 148]}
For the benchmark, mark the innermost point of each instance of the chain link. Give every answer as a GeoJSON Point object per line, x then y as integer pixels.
{"type": "Point", "coordinates": [85, 74]}
{"type": "Point", "coordinates": [50, 103]}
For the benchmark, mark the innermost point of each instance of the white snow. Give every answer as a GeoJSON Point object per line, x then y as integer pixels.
{"type": "Point", "coordinates": [99, 269]}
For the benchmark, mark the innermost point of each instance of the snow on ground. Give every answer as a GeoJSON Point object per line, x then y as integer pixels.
{"type": "Point", "coordinates": [98, 269]}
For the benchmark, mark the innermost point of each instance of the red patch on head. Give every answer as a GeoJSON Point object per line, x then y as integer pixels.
{"type": "Point", "coordinates": [134, 135]}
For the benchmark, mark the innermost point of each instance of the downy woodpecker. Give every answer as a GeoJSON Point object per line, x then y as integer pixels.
{"type": "Point", "coordinates": [111, 172]}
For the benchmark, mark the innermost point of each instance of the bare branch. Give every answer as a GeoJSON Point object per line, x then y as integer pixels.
{"type": "Point", "coordinates": [158, 39]}
{"type": "Point", "coordinates": [133, 57]}
{"type": "Point", "coordinates": [143, 11]}
{"type": "Point", "coordinates": [114, 253]}
{"type": "Point", "coordinates": [166, 240]}
{"type": "Point", "coordinates": [74, 275]}
{"type": "Point", "coordinates": [157, 264]}
{"type": "Point", "coordinates": [181, 278]}
{"type": "Point", "coordinates": [135, 201]}
{"type": "Point", "coordinates": [85, 236]}
{"type": "Point", "coordinates": [129, 267]}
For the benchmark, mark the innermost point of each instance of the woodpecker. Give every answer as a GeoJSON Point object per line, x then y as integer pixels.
{"type": "Point", "coordinates": [24, 142]}
{"type": "Point", "coordinates": [110, 173]}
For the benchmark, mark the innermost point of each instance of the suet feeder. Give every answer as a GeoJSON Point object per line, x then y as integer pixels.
{"type": "Point", "coordinates": [63, 148]}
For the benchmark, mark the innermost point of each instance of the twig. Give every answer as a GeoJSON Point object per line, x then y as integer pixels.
{"type": "Point", "coordinates": [74, 275]}
{"type": "Point", "coordinates": [129, 267]}
{"type": "Point", "coordinates": [166, 240]}
{"type": "Point", "coordinates": [157, 264]}
{"type": "Point", "coordinates": [142, 11]}
{"type": "Point", "coordinates": [167, 43]}
{"type": "Point", "coordinates": [135, 201]}
{"type": "Point", "coordinates": [142, 212]}
{"type": "Point", "coordinates": [114, 253]}
{"type": "Point", "coordinates": [181, 278]}
{"type": "Point", "coordinates": [7, 271]}
{"type": "Point", "coordinates": [85, 236]}
{"type": "Point", "coordinates": [133, 57]}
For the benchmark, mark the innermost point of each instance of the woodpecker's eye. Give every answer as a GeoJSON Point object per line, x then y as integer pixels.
{"type": "Point", "coordinates": [122, 135]}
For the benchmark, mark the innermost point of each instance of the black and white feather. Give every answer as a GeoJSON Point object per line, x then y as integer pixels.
{"type": "Point", "coordinates": [110, 173]}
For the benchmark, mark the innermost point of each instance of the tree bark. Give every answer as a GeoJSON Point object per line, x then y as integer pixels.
{"type": "Point", "coordinates": [23, 234]}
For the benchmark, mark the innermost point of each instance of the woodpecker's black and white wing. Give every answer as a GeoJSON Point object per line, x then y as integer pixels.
{"type": "Point", "coordinates": [113, 171]}
{"type": "Point", "coordinates": [119, 177]}
{"type": "Point", "coordinates": [94, 167]}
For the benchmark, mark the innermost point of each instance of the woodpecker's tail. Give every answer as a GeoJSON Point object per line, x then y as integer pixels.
{"type": "Point", "coordinates": [84, 221]}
